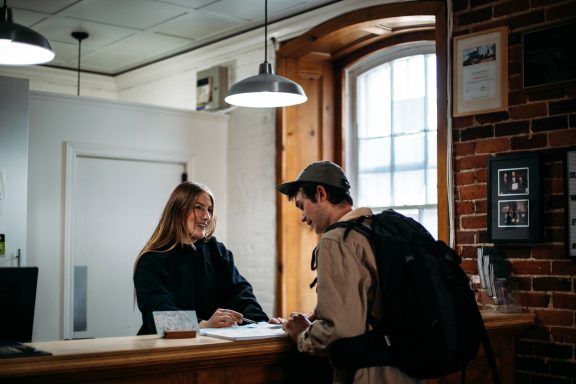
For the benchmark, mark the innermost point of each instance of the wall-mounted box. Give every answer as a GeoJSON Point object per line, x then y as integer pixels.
{"type": "Point", "coordinates": [211, 88]}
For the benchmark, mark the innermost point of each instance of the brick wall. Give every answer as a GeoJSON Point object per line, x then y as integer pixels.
{"type": "Point", "coordinates": [537, 120]}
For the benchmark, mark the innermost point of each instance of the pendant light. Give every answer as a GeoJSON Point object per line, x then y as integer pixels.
{"type": "Point", "coordinates": [79, 36]}
{"type": "Point", "coordinates": [266, 90]}
{"type": "Point", "coordinates": [20, 45]}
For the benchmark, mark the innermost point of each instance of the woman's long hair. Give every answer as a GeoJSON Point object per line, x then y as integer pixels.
{"type": "Point", "coordinates": [172, 228]}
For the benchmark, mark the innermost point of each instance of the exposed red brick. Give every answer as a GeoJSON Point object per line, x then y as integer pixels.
{"type": "Point", "coordinates": [563, 267]}
{"type": "Point", "coordinates": [464, 207]}
{"type": "Point", "coordinates": [537, 332]}
{"type": "Point", "coordinates": [552, 284]}
{"type": "Point", "coordinates": [532, 299]}
{"type": "Point", "coordinates": [564, 300]}
{"type": "Point", "coordinates": [547, 252]}
{"type": "Point", "coordinates": [517, 97]}
{"type": "Point", "coordinates": [512, 128]}
{"type": "Point", "coordinates": [554, 186]}
{"type": "Point", "coordinates": [475, 133]}
{"type": "Point", "coordinates": [562, 138]}
{"type": "Point", "coordinates": [465, 178]}
{"type": "Point", "coordinates": [464, 149]}
{"type": "Point", "coordinates": [473, 162]}
{"type": "Point", "coordinates": [553, 219]}
{"type": "Point", "coordinates": [528, 111]}
{"type": "Point", "coordinates": [480, 175]}
{"type": "Point", "coordinates": [516, 252]}
{"type": "Point", "coordinates": [544, 94]}
{"type": "Point", "coordinates": [550, 123]}
{"type": "Point", "coordinates": [526, 19]}
{"type": "Point", "coordinates": [469, 266]}
{"type": "Point", "coordinates": [472, 192]}
{"type": "Point", "coordinates": [474, 222]}
{"type": "Point", "coordinates": [562, 107]}
{"type": "Point", "coordinates": [515, 77]}
{"type": "Point", "coordinates": [554, 317]}
{"type": "Point", "coordinates": [465, 237]}
{"type": "Point", "coordinates": [497, 145]}
{"type": "Point", "coordinates": [529, 142]}
{"type": "Point", "coordinates": [481, 206]}
{"type": "Point", "coordinates": [462, 122]}
{"type": "Point", "coordinates": [492, 117]}
{"type": "Point", "coordinates": [531, 267]}
{"type": "Point", "coordinates": [561, 12]}
{"type": "Point", "coordinates": [563, 334]}
{"type": "Point", "coordinates": [474, 16]}
{"type": "Point", "coordinates": [469, 254]}
{"type": "Point", "coordinates": [554, 235]}
{"type": "Point", "coordinates": [555, 170]}
{"type": "Point", "coordinates": [523, 283]}
{"type": "Point", "coordinates": [515, 53]}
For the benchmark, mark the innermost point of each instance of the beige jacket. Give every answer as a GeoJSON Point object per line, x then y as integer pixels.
{"type": "Point", "coordinates": [347, 283]}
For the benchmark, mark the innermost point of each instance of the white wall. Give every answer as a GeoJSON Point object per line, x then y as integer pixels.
{"type": "Point", "coordinates": [56, 119]}
{"type": "Point", "coordinates": [13, 167]}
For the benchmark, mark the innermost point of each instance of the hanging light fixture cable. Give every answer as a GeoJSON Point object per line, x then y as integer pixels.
{"type": "Point", "coordinates": [79, 36]}
{"type": "Point", "coordinates": [266, 89]}
{"type": "Point", "coordinates": [20, 45]}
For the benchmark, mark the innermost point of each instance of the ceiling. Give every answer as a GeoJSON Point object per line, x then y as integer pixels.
{"type": "Point", "coordinates": [128, 34]}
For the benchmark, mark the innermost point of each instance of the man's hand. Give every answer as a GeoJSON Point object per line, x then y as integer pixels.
{"type": "Point", "coordinates": [297, 324]}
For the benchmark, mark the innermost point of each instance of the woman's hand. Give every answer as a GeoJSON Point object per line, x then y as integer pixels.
{"type": "Point", "coordinates": [277, 320]}
{"type": "Point", "coordinates": [222, 318]}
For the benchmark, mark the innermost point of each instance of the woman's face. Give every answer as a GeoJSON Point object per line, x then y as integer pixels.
{"type": "Point", "coordinates": [200, 217]}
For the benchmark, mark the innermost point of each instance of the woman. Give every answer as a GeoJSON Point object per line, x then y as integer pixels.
{"type": "Point", "coordinates": [183, 267]}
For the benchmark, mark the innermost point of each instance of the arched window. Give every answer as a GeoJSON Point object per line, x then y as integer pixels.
{"type": "Point", "coordinates": [391, 131]}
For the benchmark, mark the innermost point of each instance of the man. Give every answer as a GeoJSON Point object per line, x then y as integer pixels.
{"type": "Point", "coordinates": [347, 279]}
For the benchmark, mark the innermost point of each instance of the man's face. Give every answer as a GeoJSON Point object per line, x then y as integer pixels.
{"type": "Point", "coordinates": [314, 214]}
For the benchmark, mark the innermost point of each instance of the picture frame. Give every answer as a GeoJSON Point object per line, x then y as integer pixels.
{"type": "Point", "coordinates": [548, 57]}
{"type": "Point", "coordinates": [570, 199]}
{"type": "Point", "coordinates": [480, 72]}
{"type": "Point", "coordinates": [514, 198]}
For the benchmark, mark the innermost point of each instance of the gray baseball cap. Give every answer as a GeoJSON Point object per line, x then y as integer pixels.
{"type": "Point", "coordinates": [324, 172]}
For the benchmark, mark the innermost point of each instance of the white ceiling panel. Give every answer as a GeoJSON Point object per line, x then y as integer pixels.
{"type": "Point", "coordinates": [139, 14]}
{"type": "Point", "coordinates": [127, 34]}
{"type": "Point", "coordinates": [199, 26]}
{"type": "Point", "coordinates": [134, 51]}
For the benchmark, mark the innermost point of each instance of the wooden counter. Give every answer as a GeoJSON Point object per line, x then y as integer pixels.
{"type": "Point", "coordinates": [149, 359]}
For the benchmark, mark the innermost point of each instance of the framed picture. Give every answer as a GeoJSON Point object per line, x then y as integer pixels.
{"type": "Point", "coordinates": [514, 203]}
{"type": "Point", "coordinates": [480, 70]}
{"type": "Point", "coordinates": [570, 208]}
{"type": "Point", "coordinates": [548, 56]}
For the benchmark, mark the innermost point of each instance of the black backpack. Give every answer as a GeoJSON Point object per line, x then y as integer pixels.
{"type": "Point", "coordinates": [432, 325]}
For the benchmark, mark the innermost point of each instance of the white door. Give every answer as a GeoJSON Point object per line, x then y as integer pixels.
{"type": "Point", "coordinates": [118, 203]}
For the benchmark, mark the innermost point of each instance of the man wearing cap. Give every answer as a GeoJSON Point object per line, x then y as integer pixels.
{"type": "Point", "coordinates": [347, 278]}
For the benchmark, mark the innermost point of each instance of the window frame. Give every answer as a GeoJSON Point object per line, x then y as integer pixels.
{"type": "Point", "coordinates": [351, 74]}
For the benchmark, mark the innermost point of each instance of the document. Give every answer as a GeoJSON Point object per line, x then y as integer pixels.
{"type": "Point", "coordinates": [246, 332]}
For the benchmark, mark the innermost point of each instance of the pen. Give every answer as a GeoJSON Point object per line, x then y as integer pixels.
{"type": "Point", "coordinates": [248, 321]}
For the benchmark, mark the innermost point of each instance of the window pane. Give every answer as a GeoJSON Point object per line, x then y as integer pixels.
{"type": "Point", "coordinates": [373, 154]}
{"type": "Point", "coordinates": [409, 188]}
{"type": "Point", "coordinates": [374, 190]}
{"type": "Point", "coordinates": [429, 219]}
{"type": "Point", "coordinates": [373, 103]}
{"type": "Point", "coordinates": [409, 115]}
{"type": "Point", "coordinates": [409, 149]}
{"type": "Point", "coordinates": [409, 78]}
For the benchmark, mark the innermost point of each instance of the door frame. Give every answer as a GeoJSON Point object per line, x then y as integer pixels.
{"type": "Point", "coordinates": [74, 151]}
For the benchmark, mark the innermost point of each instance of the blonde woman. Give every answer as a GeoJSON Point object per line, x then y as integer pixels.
{"type": "Point", "coordinates": [184, 267]}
